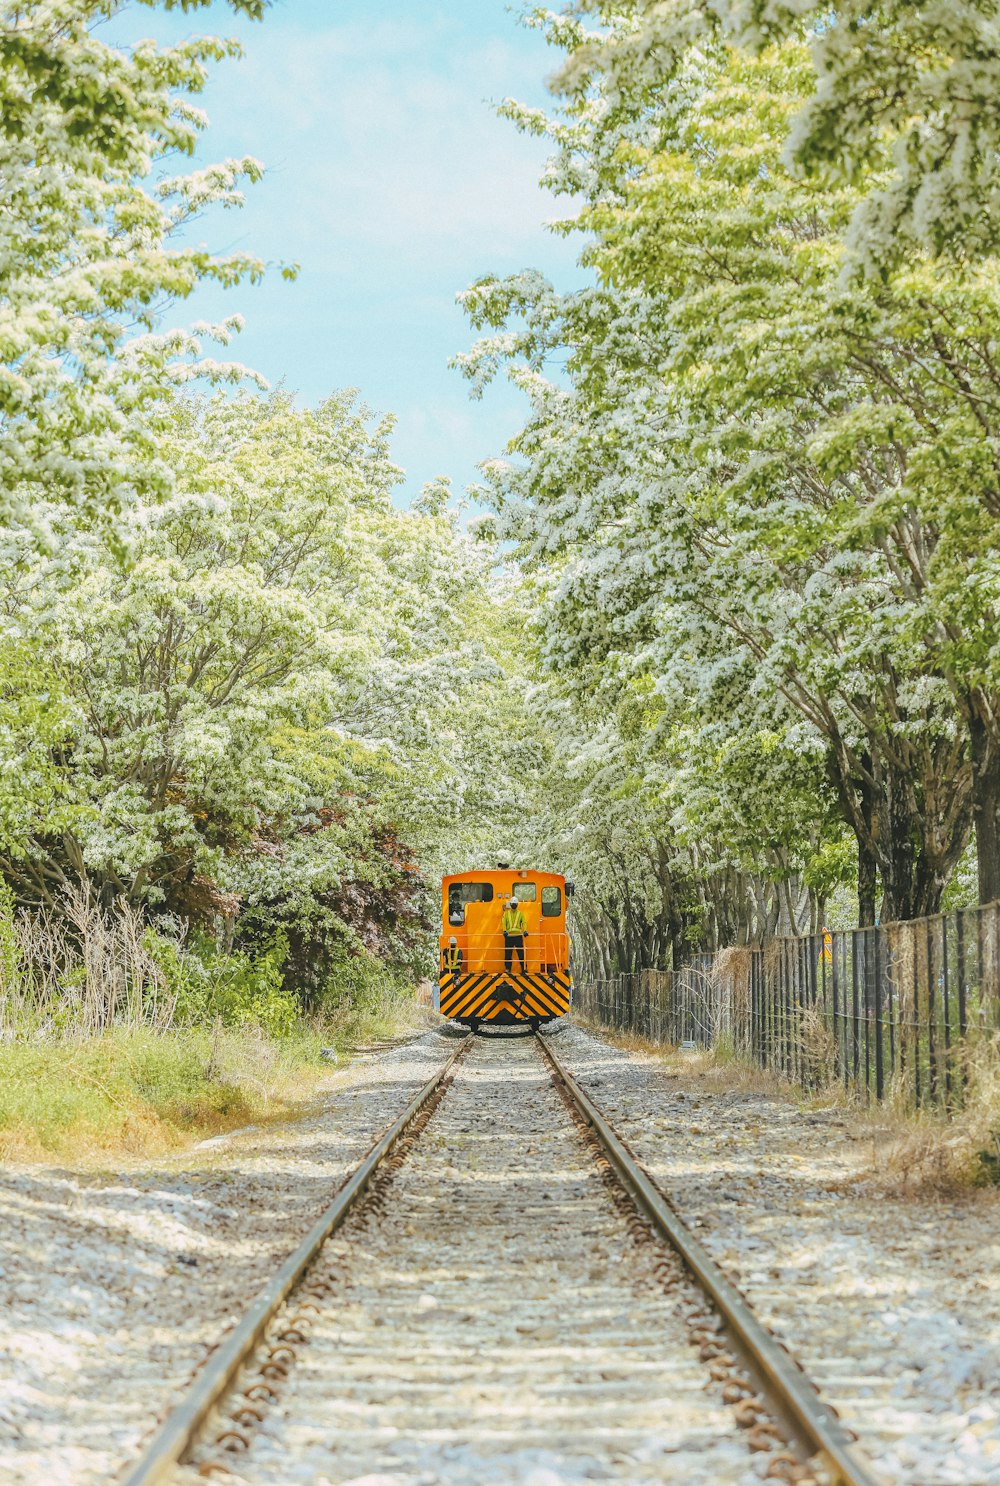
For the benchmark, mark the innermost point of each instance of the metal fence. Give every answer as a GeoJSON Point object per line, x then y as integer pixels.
{"type": "Point", "coordinates": [899, 1008]}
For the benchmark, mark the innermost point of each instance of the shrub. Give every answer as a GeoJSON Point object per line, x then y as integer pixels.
{"type": "Point", "coordinates": [11, 980]}
{"type": "Point", "coordinates": [236, 989]}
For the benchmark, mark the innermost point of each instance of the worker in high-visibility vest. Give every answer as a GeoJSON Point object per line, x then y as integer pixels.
{"type": "Point", "coordinates": [515, 932]}
{"type": "Point", "coordinates": [453, 957]}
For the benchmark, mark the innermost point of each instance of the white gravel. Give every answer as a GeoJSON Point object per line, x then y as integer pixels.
{"type": "Point", "coordinates": [113, 1289]}
{"type": "Point", "coordinates": [892, 1304]}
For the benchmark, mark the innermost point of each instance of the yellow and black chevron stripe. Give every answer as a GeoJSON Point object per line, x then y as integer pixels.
{"type": "Point", "coordinates": [501, 997]}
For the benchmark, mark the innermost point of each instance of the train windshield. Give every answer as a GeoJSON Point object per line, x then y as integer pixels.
{"type": "Point", "coordinates": [461, 893]}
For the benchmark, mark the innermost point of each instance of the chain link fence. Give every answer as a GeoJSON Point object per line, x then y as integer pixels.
{"type": "Point", "coordinates": [896, 1008]}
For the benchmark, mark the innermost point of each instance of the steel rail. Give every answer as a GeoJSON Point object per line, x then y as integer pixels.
{"type": "Point", "coordinates": [815, 1427]}
{"type": "Point", "coordinates": [181, 1427]}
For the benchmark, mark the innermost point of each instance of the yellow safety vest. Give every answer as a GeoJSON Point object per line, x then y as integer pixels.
{"type": "Point", "coordinates": [453, 958]}
{"type": "Point", "coordinates": [514, 921]}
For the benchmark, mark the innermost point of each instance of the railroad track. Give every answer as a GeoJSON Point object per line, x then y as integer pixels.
{"type": "Point", "coordinates": [499, 1290]}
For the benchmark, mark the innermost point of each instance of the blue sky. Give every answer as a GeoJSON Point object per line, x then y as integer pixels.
{"type": "Point", "coordinates": [393, 184]}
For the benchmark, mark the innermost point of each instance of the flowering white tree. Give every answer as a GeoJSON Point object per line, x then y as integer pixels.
{"type": "Point", "coordinates": [92, 216]}
{"type": "Point", "coordinates": [904, 101]}
{"type": "Point", "coordinates": [237, 683]}
{"type": "Point", "coordinates": [265, 699]}
{"type": "Point", "coordinates": [763, 484]}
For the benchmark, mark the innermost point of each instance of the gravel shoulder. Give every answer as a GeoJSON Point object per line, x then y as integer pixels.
{"type": "Point", "coordinates": [892, 1303]}
{"type": "Point", "coordinates": [114, 1288]}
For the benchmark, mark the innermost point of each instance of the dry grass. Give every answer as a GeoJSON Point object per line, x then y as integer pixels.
{"type": "Point", "coordinates": [92, 1063]}
{"type": "Point", "coordinates": [930, 1151]}
{"type": "Point", "coordinates": [912, 1152]}
{"type": "Point", "coordinates": [730, 979]}
{"type": "Point", "coordinates": [719, 1068]}
{"type": "Point", "coordinates": [138, 1092]}
{"type": "Point", "coordinates": [85, 968]}
{"type": "Point", "coordinates": [380, 1016]}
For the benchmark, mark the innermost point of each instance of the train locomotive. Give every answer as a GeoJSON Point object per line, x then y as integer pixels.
{"type": "Point", "coordinates": [504, 952]}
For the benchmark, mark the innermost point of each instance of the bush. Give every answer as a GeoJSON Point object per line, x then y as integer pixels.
{"type": "Point", "coordinates": [361, 980]}
{"type": "Point", "coordinates": [208, 985]}
{"type": "Point", "coordinates": [365, 999]}
{"type": "Point", "coordinates": [77, 970]}
{"type": "Point", "coordinates": [86, 969]}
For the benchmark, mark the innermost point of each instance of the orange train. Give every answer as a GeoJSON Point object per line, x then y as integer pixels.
{"type": "Point", "coordinates": [487, 977]}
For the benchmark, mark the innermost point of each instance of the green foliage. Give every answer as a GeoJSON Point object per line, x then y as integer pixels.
{"type": "Point", "coordinates": [10, 950]}
{"type": "Point", "coordinates": [758, 484]}
{"type": "Point", "coordinates": [235, 989]}
{"type": "Point", "coordinates": [282, 692]}
{"type": "Point", "coordinates": [360, 983]}
{"type": "Point", "coordinates": [91, 247]}
{"type": "Point", "coordinates": [239, 687]}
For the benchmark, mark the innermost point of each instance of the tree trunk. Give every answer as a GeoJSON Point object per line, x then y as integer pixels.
{"type": "Point", "coordinates": [867, 885]}
{"type": "Point", "coordinates": [867, 863]}
{"type": "Point", "coordinates": [986, 807]}
{"type": "Point", "coordinates": [678, 946]}
{"type": "Point", "coordinates": [899, 850]}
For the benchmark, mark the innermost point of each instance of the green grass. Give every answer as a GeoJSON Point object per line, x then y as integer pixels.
{"type": "Point", "coordinates": [141, 1092]}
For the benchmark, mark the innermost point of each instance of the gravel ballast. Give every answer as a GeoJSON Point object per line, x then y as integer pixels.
{"type": "Point", "coordinates": [114, 1288]}
{"type": "Point", "coordinates": [891, 1303]}
{"type": "Point", "coordinates": [489, 1319]}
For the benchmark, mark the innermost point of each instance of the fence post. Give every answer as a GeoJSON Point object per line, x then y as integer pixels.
{"type": "Point", "coordinates": [946, 1011]}
{"type": "Point", "coordinates": [918, 1092]}
{"type": "Point", "coordinates": [839, 1061]}
{"type": "Point", "coordinates": [754, 1008]}
{"type": "Point", "coordinates": [786, 1010]}
{"type": "Point", "coordinates": [932, 1073]}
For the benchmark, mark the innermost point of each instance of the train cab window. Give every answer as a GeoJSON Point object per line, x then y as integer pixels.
{"type": "Point", "coordinates": [525, 892]}
{"type": "Point", "coordinates": [460, 893]}
{"type": "Point", "coordinates": [551, 902]}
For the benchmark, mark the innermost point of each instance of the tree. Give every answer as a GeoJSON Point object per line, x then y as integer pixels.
{"type": "Point", "coordinates": [91, 246]}
{"type": "Point", "coordinates": [267, 698]}
{"type": "Point", "coordinates": [904, 105]}
{"type": "Point", "coordinates": [753, 465]}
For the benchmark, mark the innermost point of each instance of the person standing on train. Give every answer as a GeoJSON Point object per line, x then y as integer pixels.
{"type": "Point", "coordinates": [515, 932]}
{"type": "Point", "coordinates": [453, 958]}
